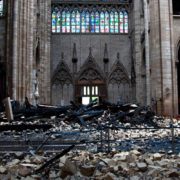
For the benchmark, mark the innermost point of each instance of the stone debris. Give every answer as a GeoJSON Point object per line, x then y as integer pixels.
{"type": "Point", "coordinates": [3, 170]}
{"type": "Point", "coordinates": [116, 144]}
{"type": "Point", "coordinates": [95, 166]}
{"type": "Point", "coordinates": [142, 166]}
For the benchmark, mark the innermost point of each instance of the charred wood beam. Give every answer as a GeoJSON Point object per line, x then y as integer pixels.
{"type": "Point", "coordinates": [22, 127]}
{"type": "Point", "coordinates": [52, 160]}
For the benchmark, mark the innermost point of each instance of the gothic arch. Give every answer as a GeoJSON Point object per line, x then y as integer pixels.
{"type": "Point", "coordinates": [62, 74]}
{"type": "Point", "coordinates": [90, 77]}
{"type": "Point", "coordinates": [62, 85]}
{"type": "Point", "coordinates": [118, 74]}
{"type": "Point", "coordinates": [90, 72]}
{"type": "Point", "coordinates": [119, 87]}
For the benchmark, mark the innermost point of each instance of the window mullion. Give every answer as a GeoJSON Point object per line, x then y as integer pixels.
{"type": "Point", "coordinates": [76, 20]}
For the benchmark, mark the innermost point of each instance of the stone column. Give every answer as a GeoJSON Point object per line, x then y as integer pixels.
{"type": "Point", "coordinates": [23, 28]}
{"type": "Point", "coordinates": [146, 30]}
{"type": "Point", "coordinates": [44, 37]}
{"type": "Point", "coordinates": [161, 56]}
{"type": "Point", "coordinates": [140, 92]}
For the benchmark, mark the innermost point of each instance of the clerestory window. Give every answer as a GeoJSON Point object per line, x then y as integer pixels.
{"type": "Point", "coordinates": [84, 20]}
{"type": "Point", "coordinates": [1, 7]}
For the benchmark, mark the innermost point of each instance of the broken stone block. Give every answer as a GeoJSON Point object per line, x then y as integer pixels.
{"type": "Point", "coordinates": [131, 158]}
{"type": "Point", "coordinates": [157, 156]}
{"type": "Point", "coordinates": [107, 161]}
{"type": "Point", "coordinates": [153, 173]}
{"type": "Point", "coordinates": [173, 173]}
{"type": "Point", "coordinates": [121, 158]}
{"type": "Point", "coordinates": [142, 166]}
{"type": "Point", "coordinates": [135, 178]}
{"type": "Point", "coordinates": [69, 168]}
{"type": "Point", "coordinates": [115, 168]}
{"type": "Point", "coordinates": [87, 170]}
{"type": "Point", "coordinates": [53, 175]}
{"type": "Point", "coordinates": [132, 165]}
{"type": "Point", "coordinates": [3, 170]}
{"type": "Point", "coordinates": [123, 166]}
{"type": "Point", "coordinates": [163, 163]}
{"type": "Point", "coordinates": [149, 161]}
{"type": "Point", "coordinates": [62, 161]}
{"type": "Point", "coordinates": [24, 171]}
{"type": "Point", "coordinates": [136, 152]}
{"type": "Point", "coordinates": [13, 162]}
{"type": "Point", "coordinates": [19, 155]}
{"type": "Point", "coordinates": [97, 173]}
{"type": "Point", "coordinates": [37, 159]}
{"type": "Point", "coordinates": [109, 176]}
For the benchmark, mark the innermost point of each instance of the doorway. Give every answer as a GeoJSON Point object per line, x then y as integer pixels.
{"type": "Point", "coordinates": [89, 94]}
{"type": "Point", "coordinates": [85, 93]}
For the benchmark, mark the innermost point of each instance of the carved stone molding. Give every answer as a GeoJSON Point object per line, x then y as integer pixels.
{"type": "Point", "coordinates": [62, 74]}
{"type": "Point", "coordinates": [90, 71]}
{"type": "Point", "coordinates": [118, 74]}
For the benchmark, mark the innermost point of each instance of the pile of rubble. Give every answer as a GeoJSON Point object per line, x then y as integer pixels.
{"type": "Point", "coordinates": [85, 165]}
{"type": "Point", "coordinates": [98, 141]}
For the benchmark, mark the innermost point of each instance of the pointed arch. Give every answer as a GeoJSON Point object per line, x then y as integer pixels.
{"type": "Point", "coordinates": [119, 83]}
{"type": "Point", "coordinates": [90, 82]}
{"type": "Point", "coordinates": [90, 72]}
{"type": "Point", "coordinates": [118, 74]}
{"type": "Point", "coordinates": [62, 74]}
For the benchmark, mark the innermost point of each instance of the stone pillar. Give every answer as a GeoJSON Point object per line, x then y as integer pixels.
{"type": "Point", "coordinates": [26, 31]}
{"type": "Point", "coordinates": [44, 37]}
{"type": "Point", "coordinates": [137, 56]}
{"type": "Point", "coordinates": [161, 56]}
{"type": "Point", "coordinates": [23, 59]}
{"type": "Point", "coordinates": [146, 30]}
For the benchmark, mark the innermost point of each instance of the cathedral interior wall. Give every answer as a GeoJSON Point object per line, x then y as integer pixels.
{"type": "Point", "coordinates": [61, 43]}
{"type": "Point", "coordinates": [2, 60]}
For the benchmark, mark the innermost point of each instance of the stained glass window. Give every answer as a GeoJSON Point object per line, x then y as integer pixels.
{"type": "Point", "coordinates": [85, 21]}
{"type": "Point", "coordinates": [116, 22]}
{"type": "Point", "coordinates": [102, 22]}
{"type": "Point", "coordinates": [97, 22]}
{"type": "Point", "coordinates": [75, 22]}
{"type": "Point", "coordinates": [58, 22]}
{"type": "Point", "coordinates": [112, 22]}
{"type": "Point", "coordinates": [66, 21]}
{"type": "Point", "coordinates": [106, 22]}
{"type": "Point", "coordinates": [92, 22]}
{"type": "Point", "coordinates": [53, 21]}
{"type": "Point", "coordinates": [121, 21]}
{"type": "Point", "coordinates": [1, 7]}
{"type": "Point", "coordinates": [125, 22]}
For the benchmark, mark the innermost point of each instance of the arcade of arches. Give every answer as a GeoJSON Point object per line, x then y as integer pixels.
{"type": "Point", "coordinates": [55, 51]}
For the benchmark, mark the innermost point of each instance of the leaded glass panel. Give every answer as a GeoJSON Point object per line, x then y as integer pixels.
{"type": "Point", "coordinates": [1, 7]}
{"type": "Point", "coordinates": [106, 22]}
{"type": "Point", "coordinates": [75, 20]}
